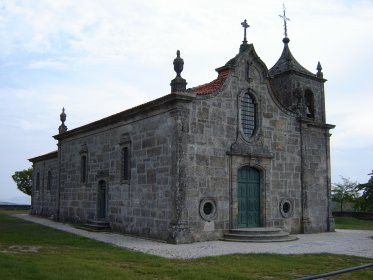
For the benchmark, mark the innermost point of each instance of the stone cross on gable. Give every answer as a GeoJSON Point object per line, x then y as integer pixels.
{"type": "Point", "coordinates": [283, 16]}
{"type": "Point", "coordinates": [245, 26]}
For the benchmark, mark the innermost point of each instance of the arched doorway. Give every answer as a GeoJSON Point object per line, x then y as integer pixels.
{"type": "Point", "coordinates": [102, 200]}
{"type": "Point", "coordinates": [248, 197]}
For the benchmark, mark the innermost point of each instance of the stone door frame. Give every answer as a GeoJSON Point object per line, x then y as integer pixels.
{"type": "Point", "coordinates": [261, 166]}
{"type": "Point", "coordinates": [99, 217]}
{"type": "Point", "coordinates": [251, 197]}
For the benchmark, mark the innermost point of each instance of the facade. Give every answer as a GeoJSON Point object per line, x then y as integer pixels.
{"type": "Point", "coordinates": [249, 149]}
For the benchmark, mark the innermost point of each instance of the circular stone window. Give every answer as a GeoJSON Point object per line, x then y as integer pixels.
{"type": "Point", "coordinates": [207, 209]}
{"type": "Point", "coordinates": [286, 208]}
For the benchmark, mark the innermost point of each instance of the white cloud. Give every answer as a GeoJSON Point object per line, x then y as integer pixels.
{"type": "Point", "coordinates": [354, 119]}
{"type": "Point", "coordinates": [83, 103]}
{"type": "Point", "coordinates": [38, 109]}
{"type": "Point", "coordinates": [87, 103]}
{"type": "Point", "coordinates": [46, 64]}
{"type": "Point", "coordinates": [32, 124]}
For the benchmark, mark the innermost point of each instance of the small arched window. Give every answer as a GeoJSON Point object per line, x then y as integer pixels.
{"type": "Point", "coordinates": [37, 181]}
{"type": "Point", "coordinates": [125, 164]}
{"type": "Point", "coordinates": [248, 115]}
{"type": "Point", "coordinates": [125, 159]}
{"type": "Point", "coordinates": [83, 169]}
{"type": "Point", "coordinates": [49, 182]}
{"type": "Point", "coordinates": [83, 164]}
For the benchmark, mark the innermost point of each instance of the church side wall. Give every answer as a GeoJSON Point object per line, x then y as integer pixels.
{"type": "Point", "coordinates": [316, 178]}
{"type": "Point", "coordinates": [44, 194]}
{"type": "Point", "coordinates": [141, 205]}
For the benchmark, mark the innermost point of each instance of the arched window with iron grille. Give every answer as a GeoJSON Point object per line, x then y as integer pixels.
{"type": "Point", "coordinates": [248, 114]}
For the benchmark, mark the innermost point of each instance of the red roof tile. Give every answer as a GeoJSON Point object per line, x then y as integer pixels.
{"type": "Point", "coordinates": [212, 86]}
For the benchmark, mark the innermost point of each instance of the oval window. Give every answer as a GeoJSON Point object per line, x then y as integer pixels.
{"type": "Point", "coordinates": [248, 115]}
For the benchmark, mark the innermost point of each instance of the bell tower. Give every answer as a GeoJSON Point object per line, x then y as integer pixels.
{"type": "Point", "coordinates": [298, 89]}
{"type": "Point", "coordinates": [302, 92]}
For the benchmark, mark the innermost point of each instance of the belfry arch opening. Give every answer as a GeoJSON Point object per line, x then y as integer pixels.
{"type": "Point", "coordinates": [310, 104]}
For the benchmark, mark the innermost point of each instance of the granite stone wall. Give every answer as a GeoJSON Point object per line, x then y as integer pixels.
{"type": "Point", "coordinates": [316, 180]}
{"type": "Point", "coordinates": [141, 205]}
{"type": "Point", "coordinates": [217, 148]}
{"type": "Point", "coordinates": [293, 171]}
{"type": "Point", "coordinates": [44, 197]}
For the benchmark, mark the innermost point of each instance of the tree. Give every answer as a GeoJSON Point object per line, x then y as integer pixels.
{"type": "Point", "coordinates": [366, 199]}
{"type": "Point", "coordinates": [344, 192]}
{"type": "Point", "coordinates": [23, 179]}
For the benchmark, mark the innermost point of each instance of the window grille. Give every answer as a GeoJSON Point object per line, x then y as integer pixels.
{"type": "Point", "coordinates": [248, 115]}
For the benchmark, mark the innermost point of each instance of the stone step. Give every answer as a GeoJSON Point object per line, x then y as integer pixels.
{"type": "Point", "coordinates": [278, 235]}
{"type": "Point", "coordinates": [258, 235]}
{"type": "Point", "coordinates": [255, 230]}
{"type": "Point", "coordinates": [98, 222]}
{"type": "Point", "coordinates": [254, 240]}
{"type": "Point", "coordinates": [96, 226]}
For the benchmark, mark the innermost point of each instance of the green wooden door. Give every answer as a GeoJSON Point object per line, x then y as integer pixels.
{"type": "Point", "coordinates": [248, 197]}
{"type": "Point", "coordinates": [102, 200]}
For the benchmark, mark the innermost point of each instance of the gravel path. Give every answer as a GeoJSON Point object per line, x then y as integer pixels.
{"type": "Point", "coordinates": [347, 242]}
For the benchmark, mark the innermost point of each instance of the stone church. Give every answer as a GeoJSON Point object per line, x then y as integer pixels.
{"type": "Point", "coordinates": [249, 149]}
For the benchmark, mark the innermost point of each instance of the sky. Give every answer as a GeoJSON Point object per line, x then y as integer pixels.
{"type": "Point", "coordinates": [100, 57]}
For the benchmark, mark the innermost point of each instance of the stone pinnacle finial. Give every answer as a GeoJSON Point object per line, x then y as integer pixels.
{"type": "Point", "coordinates": [283, 16]}
{"type": "Point", "coordinates": [319, 73]}
{"type": "Point", "coordinates": [178, 64]}
{"type": "Point", "coordinates": [178, 84]}
{"type": "Point", "coordinates": [62, 128]}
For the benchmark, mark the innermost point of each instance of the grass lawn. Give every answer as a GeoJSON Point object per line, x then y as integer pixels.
{"type": "Point", "coordinates": [31, 251]}
{"type": "Point", "coordinates": [353, 223]}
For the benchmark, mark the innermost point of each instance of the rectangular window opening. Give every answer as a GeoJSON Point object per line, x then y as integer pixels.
{"type": "Point", "coordinates": [49, 183]}
{"type": "Point", "coordinates": [37, 181]}
{"type": "Point", "coordinates": [83, 166]}
{"type": "Point", "coordinates": [125, 164]}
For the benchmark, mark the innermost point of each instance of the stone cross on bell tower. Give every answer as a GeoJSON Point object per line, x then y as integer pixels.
{"type": "Point", "coordinates": [283, 16]}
